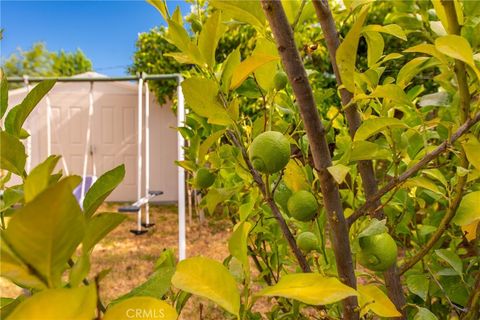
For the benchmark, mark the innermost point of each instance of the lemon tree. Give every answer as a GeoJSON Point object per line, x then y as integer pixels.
{"type": "Point", "coordinates": [375, 138]}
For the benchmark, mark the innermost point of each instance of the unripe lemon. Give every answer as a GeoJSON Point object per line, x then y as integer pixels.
{"type": "Point", "coordinates": [378, 252]}
{"type": "Point", "coordinates": [302, 205]}
{"type": "Point", "coordinates": [281, 196]}
{"type": "Point", "coordinates": [269, 152]}
{"type": "Point", "coordinates": [204, 178]}
{"type": "Point", "coordinates": [307, 241]}
{"type": "Point", "coordinates": [280, 80]}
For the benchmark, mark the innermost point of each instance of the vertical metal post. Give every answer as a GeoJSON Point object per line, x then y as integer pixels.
{"type": "Point", "coordinates": [87, 143]}
{"type": "Point", "coordinates": [49, 127]}
{"type": "Point", "coordinates": [147, 152]}
{"type": "Point", "coordinates": [181, 174]}
{"type": "Point", "coordinates": [139, 151]}
{"type": "Point", "coordinates": [29, 139]}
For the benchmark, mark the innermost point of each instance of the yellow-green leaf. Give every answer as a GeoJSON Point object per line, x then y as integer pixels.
{"type": "Point", "coordinates": [392, 29]}
{"type": "Point", "coordinates": [294, 177]}
{"type": "Point", "coordinates": [178, 36]}
{"type": "Point", "coordinates": [375, 45]}
{"type": "Point", "coordinates": [237, 244]}
{"type": "Point", "coordinates": [210, 279]}
{"type": "Point", "coordinates": [310, 288]}
{"type": "Point", "coordinates": [372, 126]}
{"type": "Point", "coordinates": [3, 93]}
{"type": "Point", "coordinates": [46, 241]}
{"type": "Point", "coordinates": [201, 95]}
{"type": "Point", "coordinates": [347, 52]}
{"type": "Point", "coordinates": [339, 172]}
{"type": "Point", "coordinates": [413, 68]}
{"type": "Point", "coordinates": [245, 11]}
{"type": "Point", "coordinates": [458, 48]}
{"type": "Point", "coordinates": [72, 303]}
{"type": "Point", "coordinates": [469, 209]}
{"type": "Point", "coordinates": [393, 92]}
{"type": "Point", "coordinates": [14, 269]}
{"type": "Point", "coordinates": [366, 150]}
{"type": "Point", "coordinates": [211, 32]}
{"type": "Point", "coordinates": [39, 178]}
{"type": "Point", "coordinates": [207, 143]}
{"type": "Point", "coordinates": [265, 73]}
{"type": "Point", "coordinates": [373, 299]}
{"type": "Point", "coordinates": [141, 308]}
{"type": "Point", "coordinates": [232, 61]}
{"type": "Point", "coordinates": [161, 6]}
{"type": "Point", "coordinates": [14, 157]}
{"type": "Point", "coordinates": [99, 226]}
{"type": "Point", "coordinates": [471, 146]}
{"type": "Point", "coordinates": [428, 49]}
{"type": "Point", "coordinates": [422, 182]}
{"type": "Point", "coordinates": [249, 65]}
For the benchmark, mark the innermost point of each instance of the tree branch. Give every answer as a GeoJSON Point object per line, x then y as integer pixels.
{"type": "Point", "coordinates": [365, 167]}
{"type": "Point", "coordinates": [271, 203]}
{"type": "Point", "coordinates": [297, 76]}
{"type": "Point", "coordinates": [369, 204]}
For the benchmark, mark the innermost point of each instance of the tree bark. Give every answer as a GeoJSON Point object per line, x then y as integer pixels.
{"type": "Point", "coordinates": [297, 76]}
{"type": "Point", "coordinates": [365, 167]}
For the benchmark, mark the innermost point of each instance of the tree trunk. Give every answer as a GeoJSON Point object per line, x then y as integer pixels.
{"type": "Point", "coordinates": [365, 167]}
{"type": "Point", "coordinates": [297, 76]}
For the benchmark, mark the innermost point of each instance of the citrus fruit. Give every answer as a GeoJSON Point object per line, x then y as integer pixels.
{"type": "Point", "coordinates": [307, 241]}
{"type": "Point", "coordinates": [378, 252]}
{"type": "Point", "coordinates": [204, 178]}
{"type": "Point", "coordinates": [270, 152]}
{"type": "Point", "coordinates": [280, 80]}
{"type": "Point", "coordinates": [302, 205]}
{"type": "Point", "coordinates": [281, 195]}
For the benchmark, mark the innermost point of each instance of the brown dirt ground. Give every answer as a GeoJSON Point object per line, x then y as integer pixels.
{"type": "Point", "coordinates": [132, 258]}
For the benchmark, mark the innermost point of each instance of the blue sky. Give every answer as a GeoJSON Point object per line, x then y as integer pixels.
{"type": "Point", "coordinates": [105, 30]}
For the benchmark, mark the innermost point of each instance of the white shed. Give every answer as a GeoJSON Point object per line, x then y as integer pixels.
{"type": "Point", "coordinates": [113, 134]}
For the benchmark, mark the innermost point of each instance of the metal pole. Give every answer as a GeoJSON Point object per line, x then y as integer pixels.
{"type": "Point", "coordinates": [147, 152]}
{"type": "Point", "coordinates": [181, 174]}
{"type": "Point", "coordinates": [96, 79]}
{"type": "Point", "coordinates": [87, 143]}
{"type": "Point", "coordinates": [49, 128]}
{"type": "Point", "coordinates": [28, 165]}
{"type": "Point", "coordinates": [139, 151]}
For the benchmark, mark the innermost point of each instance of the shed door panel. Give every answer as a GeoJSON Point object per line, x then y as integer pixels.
{"type": "Point", "coordinates": [114, 141]}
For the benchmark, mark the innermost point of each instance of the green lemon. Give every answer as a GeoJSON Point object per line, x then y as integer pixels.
{"type": "Point", "coordinates": [269, 152]}
{"type": "Point", "coordinates": [378, 252]}
{"type": "Point", "coordinates": [281, 196]}
{"type": "Point", "coordinates": [280, 80]}
{"type": "Point", "coordinates": [204, 178]}
{"type": "Point", "coordinates": [302, 205]}
{"type": "Point", "coordinates": [307, 241]}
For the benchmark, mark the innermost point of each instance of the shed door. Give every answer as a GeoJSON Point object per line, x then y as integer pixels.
{"type": "Point", "coordinates": [113, 136]}
{"type": "Point", "coordinates": [114, 140]}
